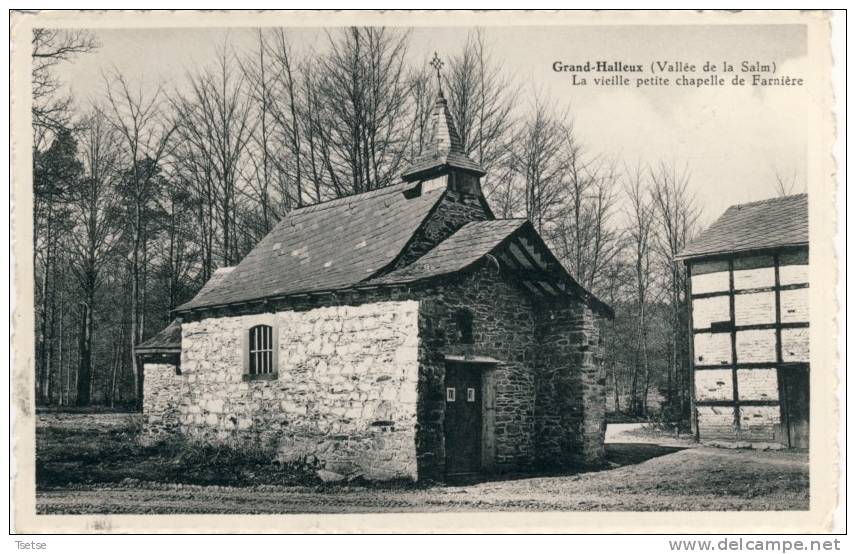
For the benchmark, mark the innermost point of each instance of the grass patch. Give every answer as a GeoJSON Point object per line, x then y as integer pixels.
{"type": "Point", "coordinates": [69, 456]}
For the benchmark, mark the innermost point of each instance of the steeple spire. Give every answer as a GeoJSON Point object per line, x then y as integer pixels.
{"type": "Point", "coordinates": [438, 65]}
{"type": "Point", "coordinates": [442, 147]}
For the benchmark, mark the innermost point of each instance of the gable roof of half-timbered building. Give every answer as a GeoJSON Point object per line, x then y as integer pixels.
{"type": "Point", "coordinates": [772, 223]}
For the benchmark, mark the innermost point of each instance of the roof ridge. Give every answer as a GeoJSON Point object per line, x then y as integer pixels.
{"type": "Point", "coordinates": [324, 204]}
{"type": "Point", "coordinates": [763, 224]}
{"type": "Point", "coordinates": [772, 200]}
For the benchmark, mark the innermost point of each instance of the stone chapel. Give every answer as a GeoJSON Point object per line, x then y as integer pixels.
{"type": "Point", "coordinates": [401, 333]}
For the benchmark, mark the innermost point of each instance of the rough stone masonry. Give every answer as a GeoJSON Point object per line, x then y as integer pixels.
{"type": "Point", "coordinates": [358, 390]}
{"type": "Point", "coordinates": [356, 308]}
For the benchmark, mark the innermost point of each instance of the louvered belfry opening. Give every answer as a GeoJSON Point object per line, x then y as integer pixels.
{"type": "Point", "coordinates": [261, 350]}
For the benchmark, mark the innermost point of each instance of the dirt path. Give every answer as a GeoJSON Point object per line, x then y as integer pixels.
{"type": "Point", "coordinates": [687, 479]}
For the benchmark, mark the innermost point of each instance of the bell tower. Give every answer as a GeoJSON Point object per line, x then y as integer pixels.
{"type": "Point", "coordinates": [443, 161]}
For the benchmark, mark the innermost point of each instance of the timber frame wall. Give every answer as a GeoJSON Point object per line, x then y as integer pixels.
{"type": "Point", "coordinates": [730, 325]}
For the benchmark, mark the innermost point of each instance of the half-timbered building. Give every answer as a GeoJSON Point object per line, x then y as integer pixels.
{"type": "Point", "coordinates": [749, 317]}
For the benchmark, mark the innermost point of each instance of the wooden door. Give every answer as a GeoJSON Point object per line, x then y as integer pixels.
{"type": "Point", "coordinates": [795, 405]}
{"type": "Point", "coordinates": [463, 421]}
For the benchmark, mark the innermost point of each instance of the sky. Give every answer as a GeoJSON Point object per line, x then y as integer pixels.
{"type": "Point", "coordinates": [733, 139]}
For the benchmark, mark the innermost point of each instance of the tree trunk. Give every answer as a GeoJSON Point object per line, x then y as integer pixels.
{"type": "Point", "coordinates": [645, 366]}
{"type": "Point", "coordinates": [634, 384]}
{"type": "Point", "coordinates": [135, 306]}
{"type": "Point", "coordinates": [61, 347]}
{"type": "Point", "coordinates": [615, 392]}
{"type": "Point", "coordinates": [117, 352]}
{"type": "Point", "coordinates": [43, 308]}
{"type": "Point", "coordinates": [84, 367]}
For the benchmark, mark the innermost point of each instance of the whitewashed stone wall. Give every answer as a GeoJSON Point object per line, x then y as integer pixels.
{"type": "Point", "coordinates": [712, 348]}
{"type": "Point", "coordinates": [793, 274]}
{"type": "Point", "coordinates": [344, 399]}
{"type": "Point", "coordinates": [757, 384]}
{"type": "Point", "coordinates": [794, 305]}
{"type": "Point", "coordinates": [710, 310]}
{"type": "Point", "coordinates": [756, 346]}
{"type": "Point", "coordinates": [795, 345]}
{"type": "Point", "coordinates": [716, 281]}
{"type": "Point", "coordinates": [793, 267]}
{"type": "Point", "coordinates": [756, 277]}
{"type": "Point", "coordinates": [714, 384]}
{"type": "Point", "coordinates": [759, 423]}
{"type": "Point", "coordinates": [716, 423]}
{"type": "Point", "coordinates": [755, 308]}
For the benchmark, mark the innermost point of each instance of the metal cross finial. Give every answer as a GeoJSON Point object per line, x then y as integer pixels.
{"type": "Point", "coordinates": [438, 64]}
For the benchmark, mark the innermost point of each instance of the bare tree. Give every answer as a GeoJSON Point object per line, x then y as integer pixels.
{"type": "Point", "coordinates": [214, 124]}
{"type": "Point", "coordinates": [361, 90]}
{"type": "Point", "coordinates": [539, 161]}
{"type": "Point", "coordinates": [51, 47]}
{"type": "Point", "coordinates": [786, 185]}
{"type": "Point", "coordinates": [262, 145]}
{"type": "Point", "coordinates": [585, 237]}
{"type": "Point", "coordinates": [287, 113]}
{"type": "Point", "coordinates": [178, 250]}
{"type": "Point", "coordinates": [676, 214]}
{"type": "Point", "coordinates": [639, 221]}
{"type": "Point", "coordinates": [95, 213]}
{"type": "Point", "coordinates": [56, 171]}
{"type": "Point", "coordinates": [482, 99]}
{"type": "Point", "coordinates": [145, 136]}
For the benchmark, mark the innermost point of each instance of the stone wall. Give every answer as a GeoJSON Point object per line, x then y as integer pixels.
{"type": "Point", "coordinates": [344, 399]}
{"type": "Point", "coordinates": [716, 423]}
{"type": "Point", "coordinates": [571, 401]}
{"type": "Point", "coordinates": [759, 423]}
{"type": "Point", "coordinates": [503, 328]}
{"type": "Point", "coordinates": [549, 403]}
{"type": "Point", "coordinates": [712, 348]}
{"type": "Point", "coordinates": [163, 390]}
{"type": "Point", "coordinates": [756, 346]}
{"type": "Point", "coordinates": [360, 383]}
{"type": "Point", "coordinates": [452, 212]}
{"type": "Point", "coordinates": [714, 384]}
{"type": "Point", "coordinates": [710, 277]}
{"type": "Point", "coordinates": [707, 311]}
{"type": "Point", "coordinates": [795, 345]}
{"type": "Point", "coordinates": [754, 309]}
{"type": "Point", "coordinates": [758, 384]}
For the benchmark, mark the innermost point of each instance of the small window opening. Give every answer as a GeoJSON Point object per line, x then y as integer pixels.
{"type": "Point", "coordinates": [261, 350]}
{"type": "Point", "coordinates": [464, 321]}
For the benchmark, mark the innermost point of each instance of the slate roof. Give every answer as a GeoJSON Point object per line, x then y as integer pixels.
{"type": "Point", "coordinates": [474, 241]}
{"type": "Point", "coordinates": [468, 245]}
{"type": "Point", "coordinates": [327, 246]}
{"type": "Point", "coordinates": [772, 223]}
{"type": "Point", "coordinates": [168, 339]}
{"type": "Point", "coordinates": [351, 241]}
{"type": "Point", "coordinates": [208, 288]}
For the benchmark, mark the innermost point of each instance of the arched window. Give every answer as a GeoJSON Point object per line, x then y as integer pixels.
{"type": "Point", "coordinates": [464, 322]}
{"type": "Point", "coordinates": [260, 349]}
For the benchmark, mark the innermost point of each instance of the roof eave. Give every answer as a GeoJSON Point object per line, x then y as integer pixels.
{"type": "Point", "coordinates": [158, 350]}
{"type": "Point", "coordinates": [420, 171]}
{"type": "Point", "coordinates": [747, 250]}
